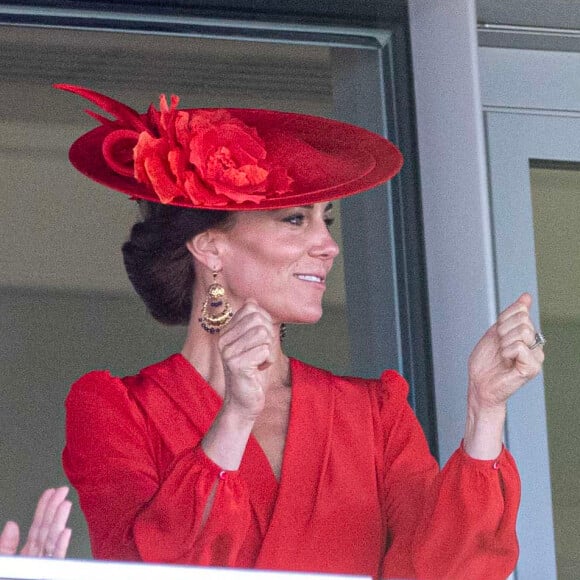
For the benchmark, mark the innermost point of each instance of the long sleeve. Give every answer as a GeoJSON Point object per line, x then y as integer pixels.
{"type": "Point", "coordinates": [457, 523]}
{"type": "Point", "coordinates": [136, 507]}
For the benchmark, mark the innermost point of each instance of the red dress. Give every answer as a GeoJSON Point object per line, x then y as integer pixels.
{"type": "Point", "coordinates": [359, 492]}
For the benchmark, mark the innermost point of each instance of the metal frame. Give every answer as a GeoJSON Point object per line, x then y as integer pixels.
{"type": "Point", "coordinates": [457, 228]}
{"type": "Point", "coordinates": [231, 29]}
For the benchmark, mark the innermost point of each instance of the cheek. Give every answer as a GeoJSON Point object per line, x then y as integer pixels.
{"type": "Point", "coordinates": [268, 254]}
{"type": "Point", "coordinates": [244, 271]}
{"type": "Point", "coordinates": [258, 258]}
{"type": "Point", "coordinates": [257, 275]}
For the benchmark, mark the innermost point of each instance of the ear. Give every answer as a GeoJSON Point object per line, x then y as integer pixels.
{"type": "Point", "coordinates": [204, 249]}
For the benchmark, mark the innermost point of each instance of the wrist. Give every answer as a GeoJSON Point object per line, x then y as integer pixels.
{"type": "Point", "coordinates": [482, 405]}
{"type": "Point", "coordinates": [226, 440]}
{"type": "Point", "coordinates": [239, 415]}
{"type": "Point", "coordinates": [237, 418]}
{"type": "Point", "coordinates": [484, 426]}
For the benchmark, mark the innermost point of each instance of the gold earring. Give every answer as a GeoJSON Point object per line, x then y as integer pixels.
{"type": "Point", "coordinates": [212, 321]}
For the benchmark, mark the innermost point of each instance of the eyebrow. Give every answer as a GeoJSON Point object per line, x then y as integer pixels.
{"type": "Point", "coordinates": [328, 207]}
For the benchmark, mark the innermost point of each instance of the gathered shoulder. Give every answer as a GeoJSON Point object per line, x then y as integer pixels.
{"type": "Point", "coordinates": [94, 383]}
{"type": "Point", "coordinates": [104, 380]}
{"type": "Point", "coordinates": [389, 387]}
{"type": "Point", "coordinates": [393, 386]}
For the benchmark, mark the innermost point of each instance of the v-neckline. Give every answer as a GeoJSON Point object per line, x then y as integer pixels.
{"type": "Point", "coordinates": [254, 451]}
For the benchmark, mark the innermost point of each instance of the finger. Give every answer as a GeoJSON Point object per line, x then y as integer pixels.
{"type": "Point", "coordinates": [62, 543]}
{"type": "Point", "coordinates": [9, 539]}
{"type": "Point", "coordinates": [519, 307]}
{"type": "Point", "coordinates": [250, 338]}
{"type": "Point", "coordinates": [58, 498]}
{"type": "Point", "coordinates": [243, 326]}
{"type": "Point", "coordinates": [255, 358]}
{"type": "Point", "coordinates": [33, 546]}
{"type": "Point", "coordinates": [251, 306]}
{"type": "Point", "coordinates": [57, 525]}
{"type": "Point", "coordinates": [525, 299]}
{"type": "Point", "coordinates": [527, 363]}
{"type": "Point", "coordinates": [50, 518]}
{"type": "Point", "coordinates": [523, 332]}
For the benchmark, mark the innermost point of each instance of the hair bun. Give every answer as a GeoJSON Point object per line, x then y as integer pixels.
{"type": "Point", "coordinates": [158, 262]}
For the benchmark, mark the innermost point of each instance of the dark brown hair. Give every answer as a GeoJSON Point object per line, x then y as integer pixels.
{"type": "Point", "coordinates": [158, 262]}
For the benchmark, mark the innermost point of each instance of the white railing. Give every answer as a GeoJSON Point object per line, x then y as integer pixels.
{"type": "Point", "coordinates": [18, 567]}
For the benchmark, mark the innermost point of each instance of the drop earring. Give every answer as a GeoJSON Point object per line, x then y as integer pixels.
{"type": "Point", "coordinates": [216, 311]}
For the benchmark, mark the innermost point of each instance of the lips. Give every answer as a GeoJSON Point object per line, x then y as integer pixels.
{"type": "Point", "coordinates": [310, 278]}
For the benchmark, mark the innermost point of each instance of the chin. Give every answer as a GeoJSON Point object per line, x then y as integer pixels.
{"type": "Point", "coordinates": [304, 318]}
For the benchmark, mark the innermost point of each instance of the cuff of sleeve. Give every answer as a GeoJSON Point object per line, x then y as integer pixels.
{"type": "Point", "coordinates": [482, 463]}
{"type": "Point", "coordinates": [207, 463]}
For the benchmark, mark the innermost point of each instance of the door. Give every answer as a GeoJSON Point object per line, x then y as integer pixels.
{"type": "Point", "coordinates": [534, 167]}
{"type": "Point", "coordinates": [531, 102]}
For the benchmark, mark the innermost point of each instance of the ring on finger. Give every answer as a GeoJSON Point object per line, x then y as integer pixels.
{"type": "Point", "coordinates": [539, 340]}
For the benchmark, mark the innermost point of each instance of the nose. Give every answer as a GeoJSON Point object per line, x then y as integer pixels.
{"type": "Point", "coordinates": [324, 245]}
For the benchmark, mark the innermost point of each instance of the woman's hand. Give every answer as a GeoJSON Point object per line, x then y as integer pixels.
{"type": "Point", "coordinates": [502, 361]}
{"type": "Point", "coordinates": [48, 536]}
{"type": "Point", "coordinates": [247, 348]}
{"type": "Point", "coordinates": [500, 364]}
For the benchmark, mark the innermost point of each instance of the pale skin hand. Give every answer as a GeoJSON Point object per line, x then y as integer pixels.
{"type": "Point", "coordinates": [249, 348]}
{"type": "Point", "coordinates": [500, 364]}
{"type": "Point", "coordinates": [48, 535]}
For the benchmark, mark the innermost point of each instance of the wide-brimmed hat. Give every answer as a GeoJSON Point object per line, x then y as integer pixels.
{"type": "Point", "coordinates": [229, 159]}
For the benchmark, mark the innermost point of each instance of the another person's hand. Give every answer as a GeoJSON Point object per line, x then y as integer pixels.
{"type": "Point", "coordinates": [247, 348]}
{"type": "Point", "coordinates": [48, 536]}
{"type": "Point", "coordinates": [503, 361]}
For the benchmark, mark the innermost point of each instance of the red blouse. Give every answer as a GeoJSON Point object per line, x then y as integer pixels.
{"type": "Point", "coordinates": [359, 492]}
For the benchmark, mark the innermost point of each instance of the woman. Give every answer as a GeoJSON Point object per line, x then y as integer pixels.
{"type": "Point", "coordinates": [229, 453]}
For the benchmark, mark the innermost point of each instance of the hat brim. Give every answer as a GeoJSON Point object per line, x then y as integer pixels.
{"type": "Point", "coordinates": [327, 160]}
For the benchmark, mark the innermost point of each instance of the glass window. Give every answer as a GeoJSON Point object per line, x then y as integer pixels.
{"type": "Point", "coordinates": [65, 302]}
{"type": "Point", "coordinates": [556, 206]}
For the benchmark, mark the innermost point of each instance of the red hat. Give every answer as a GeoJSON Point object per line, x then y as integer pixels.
{"type": "Point", "coordinates": [229, 159]}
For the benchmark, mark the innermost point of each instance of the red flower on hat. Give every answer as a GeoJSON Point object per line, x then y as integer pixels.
{"type": "Point", "coordinates": [204, 154]}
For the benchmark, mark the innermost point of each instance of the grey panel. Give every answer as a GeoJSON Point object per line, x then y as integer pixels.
{"type": "Point", "coordinates": [530, 79]}
{"type": "Point", "coordinates": [454, 198]}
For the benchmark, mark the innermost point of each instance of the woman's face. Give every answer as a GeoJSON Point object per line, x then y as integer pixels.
{"type": "Point", "coordinates": [281, 259]}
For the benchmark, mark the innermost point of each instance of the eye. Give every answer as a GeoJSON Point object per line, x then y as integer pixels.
{"type": "Point", "coordinates": [328, 220]}
{"type": "Point", "coordinates": [296, 219]}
